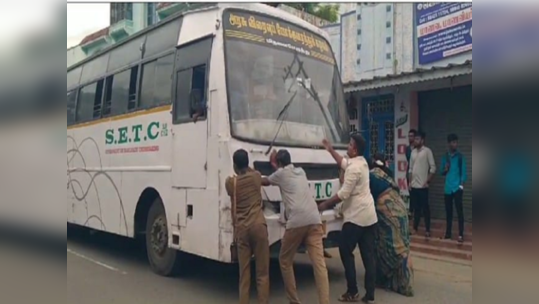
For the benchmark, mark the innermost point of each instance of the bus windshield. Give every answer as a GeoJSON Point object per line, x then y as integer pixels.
{"type": "Point", "coordinates": [283, 86]}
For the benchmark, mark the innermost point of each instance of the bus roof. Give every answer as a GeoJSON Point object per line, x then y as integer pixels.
{"type": "Point", "coordinates": [255, 7]}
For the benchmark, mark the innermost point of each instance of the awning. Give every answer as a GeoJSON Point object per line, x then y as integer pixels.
{"type": "Point", "coordinates": [419, 75]}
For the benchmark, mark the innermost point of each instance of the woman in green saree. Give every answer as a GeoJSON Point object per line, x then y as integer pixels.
{"type": "Point", "coordinates": [394, 264]}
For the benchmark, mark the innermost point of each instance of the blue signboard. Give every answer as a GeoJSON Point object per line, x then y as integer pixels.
{"type": "Point", "coordinates": [509, 35]}
{"type": "Point", "coordinates": [443, 30]}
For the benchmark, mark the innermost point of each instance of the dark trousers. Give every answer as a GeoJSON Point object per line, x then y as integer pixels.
{"type": "Point", "coordinates": [420, 199]}
{"type": "Point", "coordinates": [456, 199]}
{"type": "Point", "coordinates": [352, 236]}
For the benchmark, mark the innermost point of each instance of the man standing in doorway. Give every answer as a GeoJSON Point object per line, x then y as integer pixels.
{"type": "Point", "coordinates": [421, 171]}
{"type": "Point", "coordinates": [303, 225]}
{"type": "Point", "coordinates": [411, 141]}
{"type": "Point", "coordinates": [454, 170]}
{"type": "Point", "coordinates": [360, 218]}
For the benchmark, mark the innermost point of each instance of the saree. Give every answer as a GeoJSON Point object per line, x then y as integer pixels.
{"type": "Point", "coordinates": [394, 264]}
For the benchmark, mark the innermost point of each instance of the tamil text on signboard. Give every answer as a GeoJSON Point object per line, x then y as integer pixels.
{"type": "Point", "coordinates": [275, 33]}
{"type": "Point", "coordinates": [443, 30]}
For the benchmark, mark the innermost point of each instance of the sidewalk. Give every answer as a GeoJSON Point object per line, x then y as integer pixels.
{"type": "Point", "coordinates": [437, 281]}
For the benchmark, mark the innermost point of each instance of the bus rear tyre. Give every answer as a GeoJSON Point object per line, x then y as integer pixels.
{"type": "Point", "coordinates": [163, 260]}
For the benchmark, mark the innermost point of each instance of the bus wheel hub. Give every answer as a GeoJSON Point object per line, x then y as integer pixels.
{"type": "Point", "coordinates": [159, 236]}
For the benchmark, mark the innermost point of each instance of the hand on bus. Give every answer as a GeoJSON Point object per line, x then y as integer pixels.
{"type": "Point", "coordinates": [327, 144]}
{"type": "Point", "coordinates": [273, 159]}
{"type": "Point", "coordinates": [323, 206]}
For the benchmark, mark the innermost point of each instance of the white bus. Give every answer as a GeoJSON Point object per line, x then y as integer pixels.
{"type": "Point", "coordinates": [140, 166]}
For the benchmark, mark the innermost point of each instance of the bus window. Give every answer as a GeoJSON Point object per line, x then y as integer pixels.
{"type": "Point", "coordinates": [156, 84]}
{"type": "Point", "coordinates": [98, 104]}
{"type": "Point", "coordinates": [191, 84]}
{"type": "Point", "coordinates": [71, 105]}
{"type": "Point", "coordinates": [190, 93]}
{"type": "Point", "coordinates": [89, 97]}
{"type": "Point", "coordinates": [120, 92]}
{"type": "Point", "coordinates": [182, 108]}
{"type": "Point", "coordinates": [199, 80]}
{"type": "Point", "coordinates": [132, 104]}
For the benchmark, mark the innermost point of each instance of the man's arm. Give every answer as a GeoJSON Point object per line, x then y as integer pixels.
{"type": "Point", "coordinates": [265, 182]}
{"type": "Point", "coordinates": [229, 186]}
{"type": "Point", "coordinates": [336, 156]}
{"type": "Point", "coordinates": [409, 171]}
{"type": "Point", "coordinates": [443, 169]}
{"type": "Point", "coordinates": [274, 178]}
{"type": "Point", "coordinates": [351, 177]}
{"type": "Point", "coordinates": [432, 166]}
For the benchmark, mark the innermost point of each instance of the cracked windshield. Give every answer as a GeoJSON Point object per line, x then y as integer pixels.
{"type": "Point", "coordinates": [283, 84]}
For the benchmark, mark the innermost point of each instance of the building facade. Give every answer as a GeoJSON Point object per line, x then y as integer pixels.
{"type": "Point", "coordinates": [409, 66]}
{"type": "Point", "coordinates": [125, 20]}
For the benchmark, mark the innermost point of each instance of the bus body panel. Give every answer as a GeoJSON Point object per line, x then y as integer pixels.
{"type": "Point", "coordinates": [111, 163]}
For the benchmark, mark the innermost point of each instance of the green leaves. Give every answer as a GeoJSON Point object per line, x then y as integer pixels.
{"type": "Point", "coordinates": [329, 12]}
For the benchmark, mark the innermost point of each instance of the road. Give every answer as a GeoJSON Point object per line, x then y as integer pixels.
{"type": "Point", "coordinates": [104, 269]}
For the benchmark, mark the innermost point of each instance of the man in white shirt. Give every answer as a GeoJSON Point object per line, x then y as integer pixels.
{"type": "Point", "coordinates": [421, 171]}
{"type": "Point", "coordinates": [303, 225]}
{"type": "Point", "coordinates": [360, 219]}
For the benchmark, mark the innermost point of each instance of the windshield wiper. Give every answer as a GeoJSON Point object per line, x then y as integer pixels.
{"type": "Point", "coordinates": [280, 119]}
{"type": "Point", "coordinates": [312, 92]}
{"type": "Point", "coordinates": [284, 112]}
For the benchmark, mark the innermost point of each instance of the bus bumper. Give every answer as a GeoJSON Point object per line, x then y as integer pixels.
{"type": "Point", "coordinates": [276, 230]}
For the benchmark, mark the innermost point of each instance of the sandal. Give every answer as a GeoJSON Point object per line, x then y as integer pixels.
{"type": "Point", "coordinates": [366, 300]}
{"type": "Point", "coordinates": [349, 298]}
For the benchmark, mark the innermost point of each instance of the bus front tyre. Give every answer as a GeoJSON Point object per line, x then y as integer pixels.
{"type": "Point", "coordinates": [163, 260]}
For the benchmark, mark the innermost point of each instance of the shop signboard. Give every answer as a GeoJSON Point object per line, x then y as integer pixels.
{"type": "Point", "coordinates": [443, 30]}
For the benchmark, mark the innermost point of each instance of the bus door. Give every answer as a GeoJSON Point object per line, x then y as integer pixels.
{"type": "Point", "coordinates": [190, 136]}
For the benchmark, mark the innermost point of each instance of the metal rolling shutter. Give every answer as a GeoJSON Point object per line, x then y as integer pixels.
{"type": "Point", "coordinates": [441, 113]}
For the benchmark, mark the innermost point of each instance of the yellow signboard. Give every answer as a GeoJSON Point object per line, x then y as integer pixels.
{"type": "Point", "coordinates": [274, 32]}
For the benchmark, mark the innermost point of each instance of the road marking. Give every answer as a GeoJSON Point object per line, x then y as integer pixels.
{"type": "Point", "coordinates": [96, 262]}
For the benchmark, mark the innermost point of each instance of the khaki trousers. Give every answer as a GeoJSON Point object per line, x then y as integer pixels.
{"type": "Point", "coordinates": [312, 237]}
{"type": "Point", "coordinates": [254, 241]}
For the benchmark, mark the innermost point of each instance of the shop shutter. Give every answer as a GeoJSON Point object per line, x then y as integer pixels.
{"type": "Point", "coordinates": [441, 113]}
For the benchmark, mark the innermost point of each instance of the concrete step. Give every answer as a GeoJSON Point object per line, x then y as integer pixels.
{"type": "Point", "coordinates": [441, 225]}
{"type": "Point", "coordinates": [425, 256]}
{"type": "Point", "coordinates": [440, 233]}
{"type": "Point", "coordinates": [440, 251]}
{"type": "Point", "coordinates": [437, 242]}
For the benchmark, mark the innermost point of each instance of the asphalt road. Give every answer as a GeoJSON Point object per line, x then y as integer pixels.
{"type": "Point", "coordinates": [108, 270]}
{"type": "Point", "coordinates": [104, 269]}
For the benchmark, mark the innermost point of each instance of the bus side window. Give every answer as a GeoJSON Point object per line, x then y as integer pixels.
{"type": "Point", "coordinates": [71, 105]}
{"type": "Point", "coordinates": [191, 81]}
{"type": "Point", "coordinates": [182, 109]}
{"type": "Point", "coordinates": [121, 92]}
{"type": "Point", "coordinates": [198, 92]}
{"type": "Point", "coordinates": [89, 97]}
{"type": "Point", "coordinates": [156, 83]}
{"type": "Point", "coordinates": [191, 94]}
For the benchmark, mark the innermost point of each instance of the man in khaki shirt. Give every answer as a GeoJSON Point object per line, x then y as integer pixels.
{"type": "Point", "coordinates": [250, 227]}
